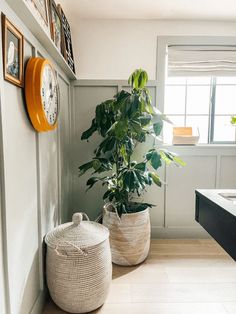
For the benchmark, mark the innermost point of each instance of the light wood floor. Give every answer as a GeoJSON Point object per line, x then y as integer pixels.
{"type": "Point", "coordinates": [179, 277]}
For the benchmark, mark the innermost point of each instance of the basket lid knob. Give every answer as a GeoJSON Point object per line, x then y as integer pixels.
{"type": "Point", "coordinates": [77, 218]}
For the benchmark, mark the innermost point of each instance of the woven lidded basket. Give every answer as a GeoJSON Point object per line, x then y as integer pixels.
{"type": "Point", "coordinates": [78, 265]}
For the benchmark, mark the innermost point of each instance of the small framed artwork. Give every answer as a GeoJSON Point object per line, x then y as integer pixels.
{"type": "Point", "coordinates": [55, 25]}
{"type": "Point", "coordinates": [67, 40]}
{"type": "Point", "coordinates": [41, 7]}
{"type": "Point", "coordinates": [13, 50]}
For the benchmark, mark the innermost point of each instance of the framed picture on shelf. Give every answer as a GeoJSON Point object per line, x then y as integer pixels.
{"type": "Point", "coordinates": [67, 41]}
{"type": "Point", "coordinates": [41, 7]}
{"type": "Point", "coordinates": [55, 25]}
{"type": "Point", "coordinates": [13, 53]}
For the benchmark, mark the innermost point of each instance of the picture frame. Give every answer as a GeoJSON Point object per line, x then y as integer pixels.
{"type": "Point", "coordinates": [41, 7]}
{"type": "Point", "coordinates": [55, 25]}
{"type": "Point", "coordinates": [67, 40]}
{"type": "Point", "coordinates": [13, 53]}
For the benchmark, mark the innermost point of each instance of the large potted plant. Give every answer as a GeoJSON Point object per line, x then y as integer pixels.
{"type": "Point", "coordinates": [123, 122]}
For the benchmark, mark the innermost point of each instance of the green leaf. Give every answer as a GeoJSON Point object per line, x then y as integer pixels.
{"type": "Point", "coordinates": [149, 154]}
{"type": "Point", "coordinates": [107, 194]}
{"type": "Point", "coordinates": [121, 96]}
{"type": "Point", "coordinates": [138, 206]}
{"type": "Point", "coordinates": [141, 166]}
{"type": "Point", "coordinates": [134, 106]}
{"type": "Point", "coordinates": [91, 181]}
{"type": "Point", "coordinates": [156, 178]}
{"type": "Point", "coordinates": [179, 161]}
{"type": "Point", "coordinates": [143, 78]}
{"type": "Point", "coordinates": [96, 164]}
{"type": "Point", "coordinates": [233, 120]}
{"type": "Point", "coordinates": [145, 120]}
{"type": "Point", "coordinates": [138, 79]}
{"type": "Point", "coordinates": [105, 165]}
{"type": "Point", "coordinates": [141, 137]}
{"type": "Point", "coordinates": [121, 209]}
{"type": "Point", "coordinates": [129, 144]}
{"type": "Point", "coordinates": [121, 129]}
{"type": "Point", "coordinates": [106, 145]}
{"type": "Point", "coordinates": [110, 143]}
{"type": "Point", "coordinates": [136, 126]}
{"type": "Point", "coordinates": [157, 127]}
{"type": "Point", "coordinates": [93, 128]}
{"type": "Point", "coordinates": [156, 160]}
{"type": "Point", "coordinates": [141, 180]}
{"type": "Point", "coordinates": [129, 181]}
{"type": "Point", "coordinates": [83, 168]}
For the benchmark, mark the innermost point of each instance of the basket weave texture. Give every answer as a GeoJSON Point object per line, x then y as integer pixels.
{"type": "Point", "coordinates": [78, 265]}
{"type": "Point", "coordinates": [129, 235]}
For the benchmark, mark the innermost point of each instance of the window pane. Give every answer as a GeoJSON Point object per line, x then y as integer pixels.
{"type": "Point", "coordinates": [200, 122]}
{"type": "Point", "coordinates": [223, 130]}
{"type": "Point", "coordinates": [174, 100]}
{"type": "Point", "coordinates": [175, 80]}
{"type": "Point", "coordinates": [225, 99]}
{"type": "Point", "coordinates": [168, 128]}
{"type": "Point", "coordinates": [205, 80]}
{"type": "Point", "coordinates": [198, 98]}
{"type": "Point", "coordinates": [226, 80]}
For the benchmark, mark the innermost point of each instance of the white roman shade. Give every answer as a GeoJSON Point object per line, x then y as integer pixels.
{"type": "Point", "coordinates": [201, 60]}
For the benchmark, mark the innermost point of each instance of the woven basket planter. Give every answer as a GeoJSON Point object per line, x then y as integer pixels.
{"type": "Point", "coordinates": [78, 265]}
{"type": "Point", "coordinates": [129, 236]}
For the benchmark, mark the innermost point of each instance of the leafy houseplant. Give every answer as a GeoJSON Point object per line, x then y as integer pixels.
{"type": "Point", "coordinates": [233, 120]}
{"type": "Point", "coordinates": [123, 122]}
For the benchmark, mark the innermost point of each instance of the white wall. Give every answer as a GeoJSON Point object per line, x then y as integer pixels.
{"type": "Point", "coordinates": [112, 49]}
{"type": "Point", "coordinates": [34, 195]}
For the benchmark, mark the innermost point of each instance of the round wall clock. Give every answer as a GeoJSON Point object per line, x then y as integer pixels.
{"type": "Point", "coordinates": [42, 94]}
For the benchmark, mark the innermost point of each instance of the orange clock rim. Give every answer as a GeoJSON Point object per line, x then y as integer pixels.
{"type": "Point", "coordinates": [33, 83]}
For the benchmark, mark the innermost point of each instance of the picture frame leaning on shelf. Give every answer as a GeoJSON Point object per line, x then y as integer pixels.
{"type": "Point", "coordinates": [55, 25]}
{"type": "Point", "coordinates": [67, 40]}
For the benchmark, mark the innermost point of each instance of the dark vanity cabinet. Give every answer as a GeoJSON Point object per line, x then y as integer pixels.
{"type": "Point", "coordinates": [217, 215]}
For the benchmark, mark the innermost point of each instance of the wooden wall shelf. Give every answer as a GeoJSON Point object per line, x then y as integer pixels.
{"type": "Point", "coordinates": [24, 13]}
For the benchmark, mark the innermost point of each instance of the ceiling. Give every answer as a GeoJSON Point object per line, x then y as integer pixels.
{"type": "Point", "coordinates": [217, 10]}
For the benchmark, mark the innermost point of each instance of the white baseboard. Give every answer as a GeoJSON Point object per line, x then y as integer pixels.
{"type": "Point", "coordinates": [178, 232]}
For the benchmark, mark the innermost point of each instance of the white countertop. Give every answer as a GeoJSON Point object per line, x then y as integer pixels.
{"type": "Point", "coordinates": [213, 195]}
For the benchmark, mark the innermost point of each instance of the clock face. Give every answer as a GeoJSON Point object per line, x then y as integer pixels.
{"type": "Point", "coordinates": [49, 94]}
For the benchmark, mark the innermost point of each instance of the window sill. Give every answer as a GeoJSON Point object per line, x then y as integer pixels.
{"type": "Point", "coordinates": [233, 146]}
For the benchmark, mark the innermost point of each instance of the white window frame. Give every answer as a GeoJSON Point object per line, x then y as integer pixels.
{"type": "Point", "coordinates": [161, 71]}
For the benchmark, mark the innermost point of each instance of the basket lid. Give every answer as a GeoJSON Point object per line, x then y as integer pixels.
{"type": "Point", "coordinates": [77, 234]}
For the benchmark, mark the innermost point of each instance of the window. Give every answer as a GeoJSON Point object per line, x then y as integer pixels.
{"type": "Point", "coordinates": [198, 95]}
{"type": "Point", "coordinates": [203, 102]}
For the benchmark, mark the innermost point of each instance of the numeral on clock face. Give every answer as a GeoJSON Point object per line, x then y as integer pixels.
{"type": "Point", "coordinates": [49, 94]}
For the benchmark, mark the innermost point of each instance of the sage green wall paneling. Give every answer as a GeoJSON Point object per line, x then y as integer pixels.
{"type": "Point", "coordinates": [199, 173]}
{"type": "Point", "coordinates": [2, 275]}
{"type": "Point", "coordinates": [30, 183]}
{"type": "Point", "coordinates": [21, 199]}
{"type": "Point", "coordinates": [64, 150]}
{"type": "Point", "coordinates": [85, 100]}
{"type": "Point", "coordinates": [2, 288]}
{"type": "Point", "coordinates": [48, 180]}
{"type": "Point", "coordinates": [228, 172]}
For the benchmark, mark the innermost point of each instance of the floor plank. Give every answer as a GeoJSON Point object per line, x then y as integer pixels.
{"type": "Point", "coordinates": [180, 276]}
